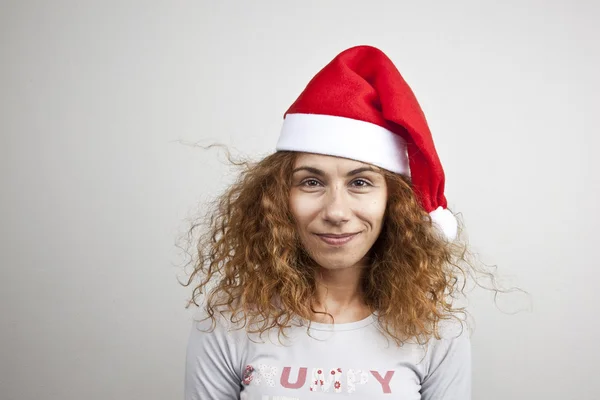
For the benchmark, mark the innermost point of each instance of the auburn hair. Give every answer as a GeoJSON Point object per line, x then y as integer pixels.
{"type": "Point", "coordinates": [249, 260]}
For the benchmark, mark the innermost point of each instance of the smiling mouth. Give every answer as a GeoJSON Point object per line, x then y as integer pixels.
{"type": "Point", "coordinates": [337, 240]}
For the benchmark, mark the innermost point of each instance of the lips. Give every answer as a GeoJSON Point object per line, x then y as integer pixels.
{"type": "Point", "coordinates": [337, 240]}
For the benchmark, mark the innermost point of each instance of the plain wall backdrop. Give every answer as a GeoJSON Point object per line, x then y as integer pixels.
{"type": "Point", "coordinates": [99, 98]}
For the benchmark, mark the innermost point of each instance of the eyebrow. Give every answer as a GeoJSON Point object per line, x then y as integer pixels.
{"type": "Point", "coordinates": [317, 171]}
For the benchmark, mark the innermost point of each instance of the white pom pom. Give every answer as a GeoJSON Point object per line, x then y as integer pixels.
{"type": "Point", "coordinates": [446, 222]}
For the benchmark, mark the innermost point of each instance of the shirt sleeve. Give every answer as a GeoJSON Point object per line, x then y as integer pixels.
{"type": "Point", "coordinates": [449, 372]}
{"type": "Point", "coordinates": [212, 362]}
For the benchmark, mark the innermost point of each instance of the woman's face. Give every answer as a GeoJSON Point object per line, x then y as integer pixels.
{"type": "Point", "coordinates": [338, 205]}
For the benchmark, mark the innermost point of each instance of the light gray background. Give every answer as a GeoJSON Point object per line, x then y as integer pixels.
{"type": "Point", "coordinates": [94, 97]}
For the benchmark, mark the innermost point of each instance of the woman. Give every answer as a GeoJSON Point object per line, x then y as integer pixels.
{"type": "Point", "coordinates": [329, 267]}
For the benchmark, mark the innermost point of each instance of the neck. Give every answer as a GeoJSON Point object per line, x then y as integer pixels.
{"type": "Point", "coordinates": [339, 293]}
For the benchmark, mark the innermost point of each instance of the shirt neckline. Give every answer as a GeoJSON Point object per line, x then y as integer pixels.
{"type": "Point", "coordinates": [346, 326]}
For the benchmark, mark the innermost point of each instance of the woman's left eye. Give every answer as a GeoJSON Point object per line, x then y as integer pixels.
{"type": "Point", "coordinates": [361, 183]}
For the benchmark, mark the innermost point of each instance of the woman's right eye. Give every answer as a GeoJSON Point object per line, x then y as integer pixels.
{"type": "Point", "coordinates": [310, 182]}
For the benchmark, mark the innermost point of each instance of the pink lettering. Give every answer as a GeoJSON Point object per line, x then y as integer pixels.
{"type": "Point", "coordinates": [385, 381]}
{"type": "Point", "coordinates": [285, 378]}
{"type": "Point", "coordinates": [320, 379]}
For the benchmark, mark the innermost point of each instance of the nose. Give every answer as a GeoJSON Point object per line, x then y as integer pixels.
{"type": "Point", "coordinates": [336, 209]}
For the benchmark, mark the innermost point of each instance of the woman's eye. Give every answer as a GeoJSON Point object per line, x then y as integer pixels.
{"type": "Point", "coordinates": [310, 183]}
{"type": "Point", "coordinates": [361, 183]}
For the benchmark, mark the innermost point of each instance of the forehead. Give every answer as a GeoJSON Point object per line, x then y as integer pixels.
{"type": "Point", "coordinates": [329, 162]}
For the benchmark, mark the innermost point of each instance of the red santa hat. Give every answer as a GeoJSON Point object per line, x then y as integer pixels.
{"type": "Point", "coordinates": [359, 107]}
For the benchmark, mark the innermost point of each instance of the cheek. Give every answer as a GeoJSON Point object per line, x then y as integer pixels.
{"type": "Point", "coordinates": [376, 210]}
{"type": "Point", "coordinates": [301, 208]}
{"type": "Point", "coordinates": [382, 208]}
{"type": "Point", "coordinates": [382, 203]}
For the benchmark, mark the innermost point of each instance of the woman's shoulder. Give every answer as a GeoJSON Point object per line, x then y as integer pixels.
{"type": "Point", "coordinates": [453, 342]}
{"type": "Point", "coordinates": [448, 362]}
{"type": "Point", "coordinates": [455, 327]}
{"type": "Point", "coordinates": [218, 321]}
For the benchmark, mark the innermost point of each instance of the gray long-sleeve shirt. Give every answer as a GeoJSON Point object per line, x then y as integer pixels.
{"type": "Point", "coordinates": [330, 361]}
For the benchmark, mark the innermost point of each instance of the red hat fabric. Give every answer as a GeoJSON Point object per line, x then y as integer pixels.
{"type": "Point", "coordinates": [360, 107]}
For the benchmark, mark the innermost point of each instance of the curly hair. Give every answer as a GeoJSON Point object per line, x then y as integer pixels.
{"type": "Point", "coordinates": [250, 261]}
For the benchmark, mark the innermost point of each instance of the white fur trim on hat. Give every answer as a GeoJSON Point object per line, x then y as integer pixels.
{"type": "Point", "coordinates": [446, 222]}
{"type": "Point", "coordinates": [344, 137]}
